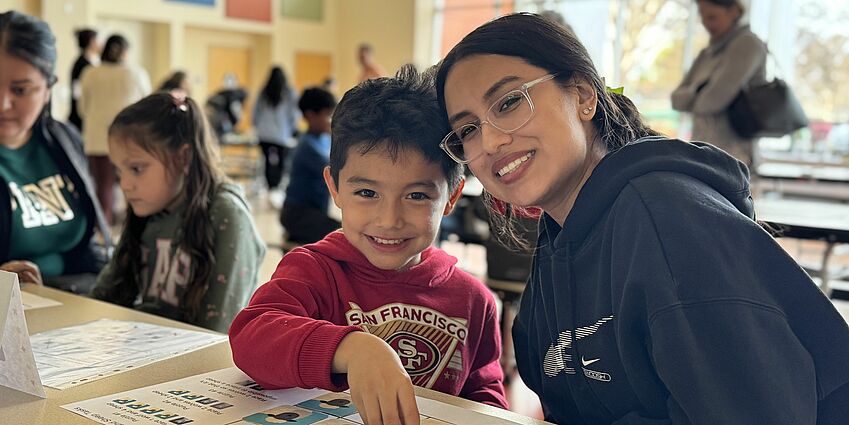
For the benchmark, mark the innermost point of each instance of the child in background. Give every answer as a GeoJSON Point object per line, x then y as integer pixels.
{"type": "Point", "coordinates": [189, 250]}
{"type": "Point", "coordinates": [374, 307]}
{"type": "Point", "coordinates": [304, 213]}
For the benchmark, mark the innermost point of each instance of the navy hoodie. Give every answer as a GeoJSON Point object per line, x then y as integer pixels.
{"type": "Point", "coordinates": [662, 301]}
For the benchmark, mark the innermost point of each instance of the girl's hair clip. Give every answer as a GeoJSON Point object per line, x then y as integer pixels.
{"type": "Point", "coordinates": [179, 98]}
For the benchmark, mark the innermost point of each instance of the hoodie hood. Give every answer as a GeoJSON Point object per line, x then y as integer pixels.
{"type": "Point", "coordinates": [702, 161]}
{"type": "Point", "coordinates": [435, 268]}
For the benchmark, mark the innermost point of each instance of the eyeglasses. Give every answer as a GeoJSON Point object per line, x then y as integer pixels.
{"type": "Point", "coordinates": [507, 114]}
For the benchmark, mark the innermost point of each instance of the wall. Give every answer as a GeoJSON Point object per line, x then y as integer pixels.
{"type": "Point", "coordinates": [169, 35]}
{"type": "Point", "coordinates": [30, 7]}
{"type": "Point", "coordinates": [386, 24]}
{"type": "Point", "coordinates": [197, 44]}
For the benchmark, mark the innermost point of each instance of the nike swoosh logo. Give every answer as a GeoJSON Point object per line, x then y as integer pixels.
{"type": "Point", "coordinates": [588, 362]}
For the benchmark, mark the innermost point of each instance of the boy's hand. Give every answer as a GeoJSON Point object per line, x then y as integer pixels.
{"type": "Point", "coordinates": [380, 387]}
{"type": "Point", "coordinates": [27, 271]}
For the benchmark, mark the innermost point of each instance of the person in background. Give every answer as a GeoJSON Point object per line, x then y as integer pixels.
{"type": "Point", "coordinates": [89, 55]}
{"type": "Point", "coordinates": [275, 119]}
{"type": "Point", "coordinates": [189, 249]}
{"type": "Point", "coordinates": [370, 68]}
{"type": "Point", "coordinates": [655, 297]}
{"type": "Point", "coordinates": [304, 215]}
{"type": "Point", "coordinates": [330, 84]}
{"type": "Point", "coordinates": [734, 59]}
{"type": "Point", "coordinates": [105, 90]}
{"type": "Point", "coordinates": [51, 226]}
{"type": "Point", "coordinates": [178, 80]}
{"type": "Point", "coordinates": [375, 307]}
{"type": "Point", "coordinates": [225, 107]}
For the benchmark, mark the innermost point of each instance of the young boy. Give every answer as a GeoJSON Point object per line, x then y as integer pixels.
{"type": "Point", "coordinates": [375, 307]}
{"type": "Point", "coordinates": [304, 213]}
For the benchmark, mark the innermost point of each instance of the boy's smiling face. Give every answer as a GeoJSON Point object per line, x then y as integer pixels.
{"type": "Point", "coordinates": [391, 210]}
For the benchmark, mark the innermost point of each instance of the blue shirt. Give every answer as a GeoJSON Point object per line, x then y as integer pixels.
{"type": "Point", "coordinates": [306, 182]}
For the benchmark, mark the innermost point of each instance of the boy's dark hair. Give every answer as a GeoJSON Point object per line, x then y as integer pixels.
{"type": "Point", "coordinates": [162, 124]}
{"type": "Point", "coordinates": [316, 99]}
{"type": "Point", "coordinates": [85, 36]}
{"type": "Point", "coordinates": [396, 114]}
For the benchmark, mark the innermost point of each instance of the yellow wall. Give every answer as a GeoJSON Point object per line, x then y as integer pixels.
{"type": "Point", "coordinates": [31, 7]}
{"type": "Point", "coordinates": [167, 35]}
{"type": "Point", "coordinates": [385, 24]}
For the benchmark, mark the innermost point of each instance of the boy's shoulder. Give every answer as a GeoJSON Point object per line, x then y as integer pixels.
{"type": "Point", "coordinates": [460, 278]}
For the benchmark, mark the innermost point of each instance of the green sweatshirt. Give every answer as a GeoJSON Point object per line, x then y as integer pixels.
{"type": "Point", "coordinates": [238, 253]}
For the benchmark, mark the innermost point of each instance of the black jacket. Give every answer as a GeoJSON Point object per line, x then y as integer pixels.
{"type": "Point", "coordinates": [662, 301]}
{"type": "Point", "coordinates": [65, 145]}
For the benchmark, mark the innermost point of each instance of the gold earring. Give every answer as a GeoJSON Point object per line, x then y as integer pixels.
{"type": "Point", "coordinates": [587, 111]}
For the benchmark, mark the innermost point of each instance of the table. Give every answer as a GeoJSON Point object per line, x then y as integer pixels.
{"type": "Point", "coordinates": [809, 219]}
{"type": "Point", "coordinates": [21, 409]}
{"type": "Point", "coordinates": [821, 181]}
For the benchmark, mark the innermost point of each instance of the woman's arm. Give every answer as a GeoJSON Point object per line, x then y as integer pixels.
{"type": "Point", "coordinates": [741, 60]}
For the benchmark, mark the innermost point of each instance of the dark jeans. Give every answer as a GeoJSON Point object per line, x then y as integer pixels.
{"type": "Point", "coordinates": [275, 162]}
{"type": "Point", "coordinates": [305, 224]}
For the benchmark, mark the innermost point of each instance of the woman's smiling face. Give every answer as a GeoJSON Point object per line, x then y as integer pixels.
{"type": "Point", "coordinates": [543, 163]}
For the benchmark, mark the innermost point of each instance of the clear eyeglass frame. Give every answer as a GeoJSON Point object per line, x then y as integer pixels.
{"type": "Point", "coordinates": [453, 139]}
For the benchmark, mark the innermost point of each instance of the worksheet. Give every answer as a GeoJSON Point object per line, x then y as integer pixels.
{"type": "Point", "coordinates": [76, 355]}
{"type": "Point", "coordinates": [228, 396]}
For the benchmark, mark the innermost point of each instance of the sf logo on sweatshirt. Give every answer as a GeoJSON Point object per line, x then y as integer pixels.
{"type": "Point", "coordinates": [425, 339]}
{"type": "Point", "coordinates": [559, 356]}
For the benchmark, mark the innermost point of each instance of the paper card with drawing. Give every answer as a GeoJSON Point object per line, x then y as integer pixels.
{"type": "Point", "coordinates": [17, 363]}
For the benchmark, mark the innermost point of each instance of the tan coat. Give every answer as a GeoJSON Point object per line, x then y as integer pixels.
{"type": "Point", "coordinates": [721, 70]}
{"type": "Point", "coordinates": [105, 91]}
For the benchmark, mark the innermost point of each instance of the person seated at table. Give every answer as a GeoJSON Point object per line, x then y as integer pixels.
{"type": "Point", "coordinates": [304, 215]}
{"type": "Point", "coordinates": [189, 250]}
{"type": "Point", "coordinates": [51, 225]}
{"type": "Point", "coordinates": [374, 307]}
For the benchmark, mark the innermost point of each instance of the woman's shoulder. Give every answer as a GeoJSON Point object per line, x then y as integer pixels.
{"type": "Point", "coordinates": [747, 41]}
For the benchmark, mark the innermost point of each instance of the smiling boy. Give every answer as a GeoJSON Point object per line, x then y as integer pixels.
{"type": "Point", "coordinates": [374, 307]}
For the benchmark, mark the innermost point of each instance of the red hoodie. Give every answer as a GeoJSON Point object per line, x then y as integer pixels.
{"type": "Point", "coordinates": [440, 320]}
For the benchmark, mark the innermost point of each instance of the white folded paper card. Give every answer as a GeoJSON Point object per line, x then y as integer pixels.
{"type": "Point", "coordinates": [17, 364]}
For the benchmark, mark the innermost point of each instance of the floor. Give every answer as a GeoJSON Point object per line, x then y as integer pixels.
{"type": "Point", "coordinates": [473, 259]}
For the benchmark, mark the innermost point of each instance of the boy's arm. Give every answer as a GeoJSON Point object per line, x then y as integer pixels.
{"type": "Point", "coordinates": [485, 381]}
{"type": "Point", "coordinates": [238, 253]}
{"type": "Point", "coordinates": [280, 339]}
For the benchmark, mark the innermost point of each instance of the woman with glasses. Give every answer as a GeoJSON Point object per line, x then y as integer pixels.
{"type": "Point", "coordinates": [655, 297]}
